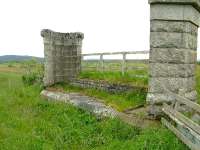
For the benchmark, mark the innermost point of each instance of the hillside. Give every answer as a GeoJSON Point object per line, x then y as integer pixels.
{"type": "Point", "coordinates": [7, 58]}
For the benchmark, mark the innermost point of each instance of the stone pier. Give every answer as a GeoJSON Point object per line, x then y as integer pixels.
{"type": "Point", "coordinates": [62, 53]}
{"type": "Point", "coordinates": [173, 50]}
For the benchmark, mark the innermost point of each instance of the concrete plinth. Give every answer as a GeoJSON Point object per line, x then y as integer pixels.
{"type": "Point", "coordinates": [173, 50]}
{"type": "Point", "coordinates": [62, 52]}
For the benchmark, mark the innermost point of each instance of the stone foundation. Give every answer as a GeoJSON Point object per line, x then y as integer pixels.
{"type": "Point", "coordinates": [105, 86]}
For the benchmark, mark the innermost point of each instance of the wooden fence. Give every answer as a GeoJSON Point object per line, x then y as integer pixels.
{"type": "Point", "coordinates": [179, 123]}
{"type": "Point", "coordinates": [123, 61]}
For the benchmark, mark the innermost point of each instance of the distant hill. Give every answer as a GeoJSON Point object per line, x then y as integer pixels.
{"type": "Point", "coordinates": [17, 58]}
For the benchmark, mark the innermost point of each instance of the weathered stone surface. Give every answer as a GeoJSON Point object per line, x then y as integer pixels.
{"type": "Point", "coordinates": [173, 40]}
{"type": "Point", "coordinates": [159, 98]}
{"type": "Point", "coordinates": [191, 95]}
{"type": "Point", "coordinates": [172, 55]}
{"type": "Point", "coordinates": [173, 84]}
{"type": "Point", "coordinates": [173, 43]}
{"type": "Point", "coordinates": [84, 102]}
{"type": "Point", "coordinates": [49, 34]}
{"type": "Point", "coordinates": [105, 86]}
{"type": "Point", "coordinates": [175, 12]}
{"type": "Point", "coordinates": [174, 26]}
{"type": "Point", "coordinates": [171, 70]}
{"type": "Point", "coordinates": [194, 3]}
{"type": "Point", "coordinates": [62, 53]}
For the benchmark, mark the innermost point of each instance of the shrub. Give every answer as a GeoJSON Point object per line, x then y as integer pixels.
{"type": "Point", "coordinates": [33, 72]}
{"type": "Point", "coordinates": [10, 65]}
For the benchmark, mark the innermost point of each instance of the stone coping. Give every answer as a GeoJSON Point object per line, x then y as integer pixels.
{"type": "Point", "coordinates": [81, 101]}
{"type": "Point", "coordinates": [47, 33]}
{"type": "Point", "coordinates": [194, 3]}
{"type": "Point", "coordinates": [99, 109]}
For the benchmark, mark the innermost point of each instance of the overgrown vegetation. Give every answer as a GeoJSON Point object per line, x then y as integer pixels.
{"type": "Point", "coordinates": [119, 101]}
{"type": "Point", "coordinates": [136, 74]}
{"type": "Point", "coordinates": [28, 122]}
{"type": "Point", "coordinates": [198, 82]}
{"type": "Point", "coordinates": [134, 78]}
{"type": "Point", "coordinates": [33, 72]}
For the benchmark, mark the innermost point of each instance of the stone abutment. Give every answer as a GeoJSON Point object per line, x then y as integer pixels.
{"type": "Point", "coordinates": [173, 50]}
{"type": "Point", "coordinates": [62, 53]}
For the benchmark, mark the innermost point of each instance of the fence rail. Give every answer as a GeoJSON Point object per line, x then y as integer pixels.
{"type": "Point", "coordinates": [186, 129]}
{"type": "Point", "coordinates": [123, 61]}
{"type": "Point", "coordinates": [117, 53]}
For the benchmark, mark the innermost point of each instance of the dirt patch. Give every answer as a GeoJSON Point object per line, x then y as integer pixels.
{"type": "Point", "coordinates": [10, 69]}
{"type": "Point", "coordinates": [139, 116]}
{"type": "Point", "coordinates": [53, 89]}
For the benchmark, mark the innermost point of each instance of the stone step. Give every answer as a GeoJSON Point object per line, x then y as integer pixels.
{"type": "Point", "coordinates": [84, 102]}
{"type": "Point", "coordinates": [98, 108]}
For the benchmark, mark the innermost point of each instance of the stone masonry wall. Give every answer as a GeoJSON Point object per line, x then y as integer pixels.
{"type": "Point", "coordinates": [173, 50]}
{"type": "Point", "coordinates": [62, 52]}
{"type": "Point", "coordinates": [105, 86]}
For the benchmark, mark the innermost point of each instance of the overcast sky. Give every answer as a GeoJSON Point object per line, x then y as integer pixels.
{"type": "Point", "coordinates": [108, 25]}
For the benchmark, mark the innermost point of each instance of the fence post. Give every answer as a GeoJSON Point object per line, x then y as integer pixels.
{"type": "Point", "coordinates": [123, 64]}
{"type": "Point", "coordinates": [101, 62]}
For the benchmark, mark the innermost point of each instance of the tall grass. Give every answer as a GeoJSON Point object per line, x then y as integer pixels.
{"type": "Point", "coordinates": [134, 78]}
{"type": "Point", "coordinates": [119, 101]}
{"type": "Point", "coordinates": [28, 122]}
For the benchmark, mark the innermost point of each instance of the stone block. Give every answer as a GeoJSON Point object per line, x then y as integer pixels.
{"type": "Point", "coordinates": [194, 3]}
{"type": "Point", "coordinates": [59, 78]}
{"type": "Point", "coordinates": [158, 85]}
{"type": "Point", "coordinates": [48, 41]}
{"type": "Point", "coordinates": [49, 80]}
{"type": "Point", "coordinates": [172, 55]}
{"type": "Point", "coordinates": [175, 13]}
{"type": "Point", "coordinates": [159, 98]}
{"type": "Point", "coordinates": [173, 40]}
{"type": "Point", "coordinates": [171, 70]}
{"type": "Point", "coordinates": [173, 26]}
{"type": "Point", "coordinates": [191, 95]}
{"type": "Point", "coordinates": [58, 42]}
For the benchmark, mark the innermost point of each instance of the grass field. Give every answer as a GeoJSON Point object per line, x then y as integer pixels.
{"type": "Point", "coordinates": [28, 122]}
{"type": "Point", "coordinates": [136, 75]}
{"type": "Point", "coordinates": [134, 78]}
